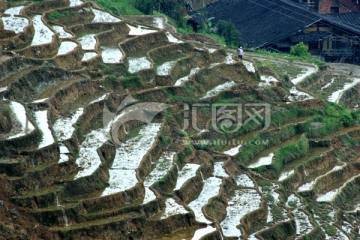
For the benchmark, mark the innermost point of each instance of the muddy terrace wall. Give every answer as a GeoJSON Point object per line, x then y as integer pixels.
{"type": "Point", "coordinates": [128, 229]}
{"type": "Point", "coordinates": [3, 5]}
{"type": "Point", "coordinates": [157, 95]}
{"type": "Point", "coordinates": [76, 90]}
{"type": "Point", "coordinates": [7, 147]}
{"type": "Point", "coordinates": [164, 53]}
{"type": "Point", "coordinates": [350, 98]}
{"type": "Point", "coordinates": [79, 15]}
{"type": "Point", "coordinates": [216, 208]}
{"type": "Point", "coordinates": [181, 68]}
{"type": "Point", "coordinates": [147, 20]}
{"type": "Point", "coordinates": [310, 170]}
{"type": "Point", "coordinates": [55, 217]}
{"type": "Point", "coordinates": [40, 7]}
{"type": "Point", "coordinates": [145, 166]}
{"type": "Point", "coordinates": [210, 78]}
{"type": "Point", "coordinates": [70, 60]}
{"type": "Point", "coordinates": [282, 230]}
{"type": "Point", "coordinates": [355, 134]}
{"type": "Point", "coordinates": [46, 155]}
{"type": "Point", "coordinates": [315, 233]}
{"type": "Point", "coordinates": [255, 217]}
{"type": "Point", "coordinates": [5, 33]}
{"type": "Point", "coordinates": [200, 38]}
{"type": "Point", "coordinates": [279, 117]}
{"type": "Point", "coordinates": [81, 186]}
{"type": "Point", "coordinates": [28, 86]}
{"type": "Point", "coordinates": [332, 179]}
{"type": "Point", "coordinates": [144, 42]}
{"type": "Point", "coordinates": [192, 187]}
{"type": "Point", "coordinates": [99, 179]}
{"type": "Point", "coordinates": [91, 27]}
{"type": "Point", "coordinates": [85, 121]}
{"type": "Point", "coordinates": [37, 201]}
{"type": "Point", "coordinates": [44, 50]}
{"type": "Point", "coordinates": [139, 211]}
{"type": "Point", "coordinates": [127, 198]}
{"type": "Point", "coordinates": [10, 60]}
{"type": "Point", "coordinates": [275, 136]}
{"type": "Point", "coordinates": [219, 54]}
{"type": "Point", "coordinates": [117, 34]}
{"type": "Point", "coordinates": [14, 167]}
{"type": "Point", "coordinates": [43, 178]}
{"type": "Point", "coordinates": [182, 156]}
{"type": "Point", "coordinates": [20, 40]}
{"type": "Point", "coordinates": [5, 119]}
{"type": "Point", "coordinates": [349, 195]}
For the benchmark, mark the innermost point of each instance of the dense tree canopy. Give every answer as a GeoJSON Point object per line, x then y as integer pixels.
{"type": "Point", "coordinates": [228, 31]}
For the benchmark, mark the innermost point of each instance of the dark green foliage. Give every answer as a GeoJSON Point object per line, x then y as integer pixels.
{"type": "Point", "coordinates": [321, 127]}
{"type": "Point", "coordinates": [309, 80]}
{"type": "Point", "coordinates": [164, 139]}
{"type": "Point", "coordinates": [228, 31]}
{"type": "Point", "coordinates": [290, 152]}
{"type": "Point", "coordinates": [119, 7]}
{"type": "Point", "coordinates": [176, 9]}
{"type": "Point", "coordinates": [112, 78]}
{"type": "Point", "coordinates": [281, 115]}
{"type": "Point", "coordinates": [251, 150]}
{"type": "Point", "coordinates": [131, 82]}
{"type": "Point", "coordinates": [60, 14]}
{"type": "Point", "coordinates": [347, 120]}
{"type": "Point", "coordinates": [203, 145]}
{"type": "Point", "coordinates": [348, 141]}
{"type": "Point", "coordinates": [331, 118]}
{"type": "Point", "coordinates": [300, 50]}
{"type": "Point", "coordinates": [145, 6]}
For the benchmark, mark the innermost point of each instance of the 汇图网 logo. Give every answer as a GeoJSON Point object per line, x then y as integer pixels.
{"type": "Point", "coordinates": [228, 118]}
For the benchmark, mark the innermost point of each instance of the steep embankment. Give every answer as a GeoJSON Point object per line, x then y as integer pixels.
{"type": "Point", "coordinates": [117, 127]}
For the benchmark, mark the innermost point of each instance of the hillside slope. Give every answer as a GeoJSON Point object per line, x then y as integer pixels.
{"type": "Point", "coordinates": [117, 127]}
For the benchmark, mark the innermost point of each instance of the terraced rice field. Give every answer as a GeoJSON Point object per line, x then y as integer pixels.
{"type": "Point", "coordinates": [95, 142]}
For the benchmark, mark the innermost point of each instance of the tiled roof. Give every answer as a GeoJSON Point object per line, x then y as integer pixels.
{"type": "Point", "coordinates": [339, 52]}
{"type": "Point", "coordinates": [308, 37]}
{"type": "Point", "coordinates": [262, 22]}
{"type": "Point", "coordinates": [352, 20]}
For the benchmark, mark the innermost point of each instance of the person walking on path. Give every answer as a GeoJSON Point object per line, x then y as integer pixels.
{"type": "Point", "coordinates": [240, 52]}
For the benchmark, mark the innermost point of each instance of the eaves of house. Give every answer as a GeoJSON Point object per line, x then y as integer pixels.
{"type": "Point", "coordinates": [264, 22]}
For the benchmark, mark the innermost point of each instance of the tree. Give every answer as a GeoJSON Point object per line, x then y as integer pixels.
{"type": "Point", "coordinates": [176, 9]}
{"type": "Point", "coordinates": [300, 50]}
{"type": "Point", "coordinates": [228, 31]}
{"type": "Point", "coordinates": [145, 6]}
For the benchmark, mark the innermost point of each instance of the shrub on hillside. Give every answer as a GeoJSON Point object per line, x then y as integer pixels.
{"type": "Point", "coordinates": [145, 6]}
{"type": "Point", "coordinates": [228, 31]}
{"type": "Point", "coordinates": [292, 151]}
{"type": "Point", "coordinates": [300, 50]}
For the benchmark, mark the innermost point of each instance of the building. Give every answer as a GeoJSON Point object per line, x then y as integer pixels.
{"type": "Point", "coordinates": [331, 6]}
{"type": "Point", "coordinates": [280, 24]}
{"type": "Point", "coordinates": [197, 4]}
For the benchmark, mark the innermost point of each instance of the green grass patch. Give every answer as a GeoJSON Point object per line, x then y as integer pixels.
{"type": "Point", "coordinates": [52, 16]}
{"type": "Point", "coordinates": [322, 126]}
{"type": "Point", "coordinates": [119, 7]}
{"type": "Point", "coordinates": [251, 150]}
{"type": "Point", "coordinates": [289, 57]}
{"type": "Point", "coordinates": [132, 81]}
{"type": "Point", "coordinates": [290, 152]}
